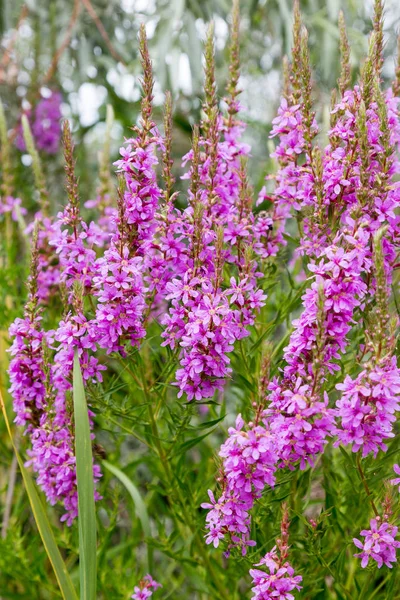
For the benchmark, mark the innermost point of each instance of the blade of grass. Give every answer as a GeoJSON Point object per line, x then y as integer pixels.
{"type": "Point", "coordinates": [60, 570]}
{"type": "Point", "coordinates": [84, 475]}
{"type": "Point", "coordinates": [140, 506]}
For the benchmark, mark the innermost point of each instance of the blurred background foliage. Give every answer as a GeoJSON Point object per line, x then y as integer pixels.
{"type": "Point", "coordinates": [88, 49]}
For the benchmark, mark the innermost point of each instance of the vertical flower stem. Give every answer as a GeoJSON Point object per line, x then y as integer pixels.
{"type": "Point", "coordinates": [175, 491]}
{"type": "Point", "coordinates": [365, 484]}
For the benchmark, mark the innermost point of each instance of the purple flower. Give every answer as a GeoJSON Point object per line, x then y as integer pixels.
{"type": "Point", "coordinates": [379, 544]}
{"type": "Point", "coordinates": [12, 205]}
{"type": "Point", "coordinates": [277, 582]}
{"type": "Point", "coordinates": [46, 127]}
{"type": "Point", "coordinates": [45, 124]}
{"type": "Point", "coordinates": [146, 588]}
{"type": "Point", "coordinates": [396, 481]}
{"type": "Point", "coordinates": [367, 407]}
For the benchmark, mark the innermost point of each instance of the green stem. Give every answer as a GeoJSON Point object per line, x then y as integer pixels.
{"type": "Point", "coordinates": [365, 586]}
{"type": "Point", "coordinates": [378, 587]}
{"type": "Point", "coordinates": [175, 491]}
{"type": "Point", "coordinates": [365, 484]}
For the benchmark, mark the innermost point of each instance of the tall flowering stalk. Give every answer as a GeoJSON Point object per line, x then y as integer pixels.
{"type": "Point", "coordinates": [41, 387]}
{"type": "Point", "coordinates": [27, 367]}
{"type": "Point", "coordinates": [120, 285]}
{"type": "Point", "coordinates": [207, 315]}
{"type": "Point", "coordinates": [74, 244]}
{"type": "Point", "coordinates": [297, 419]}
{"type": "Point", "coordinates": [367, 407]}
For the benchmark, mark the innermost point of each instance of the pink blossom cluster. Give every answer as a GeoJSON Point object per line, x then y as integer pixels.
{"type": "Point", "coordinates": [142, 193]}
{"type": "Point", "coordinates": [249, 463]}
{"type": "Point", "coordinates": [74, 244]}
{"type": "Point", "coordinates": [207, 317]}
{"type": "Point", "coordinates": [40, 393]}
{"type": "Point", "coordinates": [119, 284]}
{"type": "Point", "coordinates": [12, 206]}
{"type": "Point", "coordinates": [206, 322]}
{"type": "Point", "coordinates": [146, 588]}
{"type": "Point", "coordinates": [119, 288]}
{"type": "Point", "coordinates": [26, 370]}
{"type": "Point", "coordinates": [379, 544]}
{"type": "Point", "coordinates": [367, 407]}
{"type": "Point", "coordinates": [53, 455]}
{"type": "Point", "coordinates": [277, 581]}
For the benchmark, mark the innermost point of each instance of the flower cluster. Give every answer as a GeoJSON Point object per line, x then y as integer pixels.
{"type": "Point", "coordinates": [45, 124]}
{"type": "Point", "coordinates": [277, 583]}
{"type": "Point", "coordinates": [120, 291]}
{"type": "Point", "coordinates": [367, 407]}
{"type": "Point", "coordinates": [345, 192]}
{"type": "Point", "coordinates": [206, 322]}
{"type": "Point", "coordinates": [208, 316]}
{"type": "Point", "coordinates": [278, 578]}
{"type": "Point", "coordinates": [379, 544]}
{"type": "Point", "coordinates": [146, 588]}
{"type": "Point", "coordinates": [52, 455]}
{"type": "Point", "coordinates": [249, 462]}
{"type": "Point", "coordinates": [26, 369]}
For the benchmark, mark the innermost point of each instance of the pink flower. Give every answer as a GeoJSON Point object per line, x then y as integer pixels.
{"type": "Point", "coordinates": [379, 544]}
{"type": "Point", "coordinates": [396, 481]}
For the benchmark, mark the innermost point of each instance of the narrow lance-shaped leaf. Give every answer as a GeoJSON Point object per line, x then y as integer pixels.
{"type": "Point", "coordinates": [84, 474]}
{"type": "Point", "coordinates": [140, 506]}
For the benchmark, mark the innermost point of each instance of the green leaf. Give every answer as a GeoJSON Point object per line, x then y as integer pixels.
{"type": "Point", "coordinates": [140, 506]}
{"type": "Point", "coordinates": [191, 443]}
{"type": "Point", "coordinates": [84, 475]}
{"type": "Point", "coordinates": [46, 533]}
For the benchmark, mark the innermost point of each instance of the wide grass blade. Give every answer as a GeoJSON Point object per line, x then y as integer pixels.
{"type": "Point", "coordinates": [84, 474]}
{"type": "Point", "coordinates": [140, 506]}
{"type": "Point", "coordinates": [64, 581]}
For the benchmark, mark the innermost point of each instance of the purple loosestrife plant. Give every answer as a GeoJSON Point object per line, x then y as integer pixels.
{"type": "Point", "coordinates": [120, 284]}
{"type": "Point", "coordinates": [41, 387]}
{"type": "Point", "coordinates": [275, 311]}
